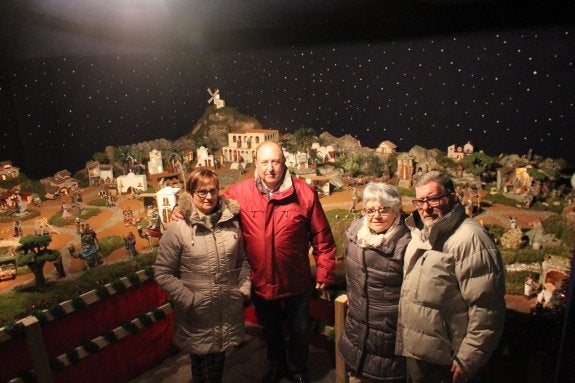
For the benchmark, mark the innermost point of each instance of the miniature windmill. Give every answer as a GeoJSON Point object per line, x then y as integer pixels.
{"type": "Point", "coordinates": [215, 99]}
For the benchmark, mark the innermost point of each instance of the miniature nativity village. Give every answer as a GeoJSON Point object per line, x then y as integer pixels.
{"type": "Point", "coordinates": [75, 243]}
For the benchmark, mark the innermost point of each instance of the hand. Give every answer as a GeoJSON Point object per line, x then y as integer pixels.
{"type": "Point", "coordinates": [176, 214]}
{"type": "Point", "coordinates": [458, 374]}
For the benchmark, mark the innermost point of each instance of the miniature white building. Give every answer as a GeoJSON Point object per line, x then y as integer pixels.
{"type": "Point", "coordinates": [131, 182]}
{"type": "Point", "coordinates": [297, 160]}
{"type": "Point", "coordinates": [325, 153]}
{"type": "Point", "coordinates": [166, 200]}
{"type": "Point", "coordinates": [216, 98]}
{"type": "Point", "coordinates": [155, 165]}
{"type": "Point", "coordinates": [386, 147]}
{"type": "Point", "coordinates": [204, 157]}
{"type": "Point", "coordinates": [242, 145]}
{"type": "Point", "coordinates": [8, 171]}
{"type": "Point", "coordinates": [458, 152]}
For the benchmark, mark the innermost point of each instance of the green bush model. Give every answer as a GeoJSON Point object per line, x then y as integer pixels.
{"type": "Point", "coordinates": [34, 254]}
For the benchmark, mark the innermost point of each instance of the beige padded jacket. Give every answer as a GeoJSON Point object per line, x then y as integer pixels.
{"type": "Point", "coordinates": [206, 274]}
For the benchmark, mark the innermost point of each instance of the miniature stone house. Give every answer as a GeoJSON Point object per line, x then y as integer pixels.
{"type": "Point", "coordinates": [99, 173]}
{"type": "Point", "coordinates": [7, 170]}
{"type": "Point", "coordinates": [459, 152]}
{"type": "Point", "coordinates": [62, 182]}
{"type": "Point", "coordinates": [386, 147]}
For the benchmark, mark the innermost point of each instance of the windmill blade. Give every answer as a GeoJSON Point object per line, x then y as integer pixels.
{"type": "Point", "coordinates": [210, 92]}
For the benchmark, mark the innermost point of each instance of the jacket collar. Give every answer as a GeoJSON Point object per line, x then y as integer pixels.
{"type": "Point", "coordinates": [440, 230]}
{"type": "Point", "coordinates": [286, 184]}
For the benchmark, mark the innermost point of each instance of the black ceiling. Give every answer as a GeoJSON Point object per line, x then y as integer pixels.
{"type": "Point", "coordinates": [45, 28]}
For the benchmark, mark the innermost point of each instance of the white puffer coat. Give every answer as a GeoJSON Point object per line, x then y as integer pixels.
{"type": "Point", "coordinates": [206, 274]}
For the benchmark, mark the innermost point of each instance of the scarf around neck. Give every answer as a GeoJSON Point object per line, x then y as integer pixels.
{"type": "Point", "coordinates": [367, 238]}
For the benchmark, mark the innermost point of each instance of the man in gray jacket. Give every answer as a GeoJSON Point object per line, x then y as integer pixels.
{"type": "Point", "coordinates": [452, 307]}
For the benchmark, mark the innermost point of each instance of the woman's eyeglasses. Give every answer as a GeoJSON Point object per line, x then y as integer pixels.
{"type": "Point", "coordinates": [371, 211]}
{"type": "Point", "coordinates": [432, 201]}
{"type": "Point", "coordinates": [203, 193]}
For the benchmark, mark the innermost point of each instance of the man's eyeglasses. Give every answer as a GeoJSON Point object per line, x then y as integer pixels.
{"type": "Point", "coordinates": [370, 212]}
{"type": "Point", "coordinates": [203, 193]}
{"type": "Point", "coordinates": [432, 201]}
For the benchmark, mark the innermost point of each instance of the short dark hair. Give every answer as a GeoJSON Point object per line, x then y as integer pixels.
{"type": "Point", "coordinates": [436, 176]}
{"type": "Point", "coordinates": [200, 176]}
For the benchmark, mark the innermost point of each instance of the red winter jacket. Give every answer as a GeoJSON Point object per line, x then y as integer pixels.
{"type": "Point", "coordinates": [278, 233]}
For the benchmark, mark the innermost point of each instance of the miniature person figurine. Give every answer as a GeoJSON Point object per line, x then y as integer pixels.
{"type": "Point", "coordinates": [59, 266]}
{"type": "Point", "coordinates": [130, 244]}
{"type": "Point", "coordinates": [64, 210]}
{"type": "Point", "coordinates": [353, 200]}
{"type": "Point", "coordinates": [528, 288]}
{"type": "Point", "coordinates": [17, 228]}
{"type": "Point", "coordinates": [78, 225]}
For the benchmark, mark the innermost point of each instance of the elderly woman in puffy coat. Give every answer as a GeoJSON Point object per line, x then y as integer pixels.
{"type": "Point", "coordinates": [374, 249]}
{"type": "Point", "coordinates": [201, 264]}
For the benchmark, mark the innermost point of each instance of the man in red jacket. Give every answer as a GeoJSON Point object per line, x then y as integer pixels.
{"type": "Point", "coordinates": [281, 217]}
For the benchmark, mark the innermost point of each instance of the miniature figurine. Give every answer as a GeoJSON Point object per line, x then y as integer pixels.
{"type": "Point", "coordinates": [353, 201]}
{"type": "Point", "coordinates": [130, 244]}
{"type": "Point", "coordinates": [90, 250]}
{"type": "Point", "coordinates": [17, 228]}
{"type": "Point", "coordinates": [528, 289]}
{"type": "Point", "coordinates": [78, 225]}
{"type": "Point", "coordinates": [59, 266]}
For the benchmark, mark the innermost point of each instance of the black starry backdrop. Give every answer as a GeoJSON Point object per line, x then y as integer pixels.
{"type": "Point", "coordinates": [506, 91]}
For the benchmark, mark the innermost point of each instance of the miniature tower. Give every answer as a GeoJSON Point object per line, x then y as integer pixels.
{"type": "Point", "coordinates": [405, 167]}
{"type": "Point", "coordinates": [166, 199]}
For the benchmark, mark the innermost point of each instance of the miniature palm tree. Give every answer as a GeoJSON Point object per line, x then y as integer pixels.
{"type": "Point", "coordinates": [304, 136]}
{"type": "Point", "coordinates": [34, 254]}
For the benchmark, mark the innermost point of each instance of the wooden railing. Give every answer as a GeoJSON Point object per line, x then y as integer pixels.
{"type": "Point", "coordinates": [340, 311]}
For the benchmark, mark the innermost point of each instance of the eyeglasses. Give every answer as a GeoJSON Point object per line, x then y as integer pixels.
{"type": "Point", "coordinates": [203, 193]}
{"type": "Point", "coordinates": [432, 201]}
{"type": "Point", "coordinates": [371, 211]}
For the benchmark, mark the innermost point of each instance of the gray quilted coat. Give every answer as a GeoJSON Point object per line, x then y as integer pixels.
{"type": "Point", "coordinates": [373, 277]}
{"type": "Point", "coordinates": [206, 274]}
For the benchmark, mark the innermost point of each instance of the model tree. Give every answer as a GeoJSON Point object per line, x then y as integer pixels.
{"type": "Point", "coordinates": [34, 254]}
{"type": "Point", "coordinates": [480, 164]}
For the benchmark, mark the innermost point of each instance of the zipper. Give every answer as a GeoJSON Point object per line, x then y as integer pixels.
{"type": "Point", "coordinates": [419, 278]}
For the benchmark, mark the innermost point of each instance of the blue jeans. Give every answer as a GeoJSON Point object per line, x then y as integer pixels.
{"type": "Point", "coordinates": [290, 355]}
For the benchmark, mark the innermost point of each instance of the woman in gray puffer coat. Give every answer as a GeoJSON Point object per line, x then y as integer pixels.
{"type": "Point", "coordinates": [374, 249]}
{"type": "Point", "coordinates": [201, 264]}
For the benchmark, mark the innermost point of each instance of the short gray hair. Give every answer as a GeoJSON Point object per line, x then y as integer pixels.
{"type": "Point", "coordinates": [383, 193]}
{"type": "Point", "coordinates": [436, 176]}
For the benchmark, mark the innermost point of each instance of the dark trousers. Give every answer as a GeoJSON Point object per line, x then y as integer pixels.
{"type": "Point", "coordinates": [208, 368]}
{"type": "Point", "coordinates": [420, 371]}
{"type": "Point", "coordinates": [290, 355]}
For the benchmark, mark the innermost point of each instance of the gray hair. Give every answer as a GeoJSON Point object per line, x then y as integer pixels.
{"type": "Point", "coordinates": [436, 176]}
{"type": "Point", "coordinates": [383, 193]}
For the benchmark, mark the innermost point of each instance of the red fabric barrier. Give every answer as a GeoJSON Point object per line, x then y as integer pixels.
{"type": "Point", "coordinates": [13, 358]}
{"type": "Point", "coordinates": [120, 362]}
{"type": "Point", "coordinates": [132, 355]}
